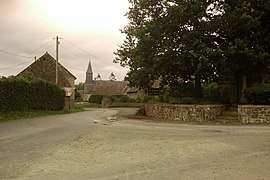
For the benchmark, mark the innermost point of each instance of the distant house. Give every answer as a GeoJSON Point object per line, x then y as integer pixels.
{"type": "Point", "coordinates": [45, 68]}
{"type": "Point", "coordinates": [98, 86]}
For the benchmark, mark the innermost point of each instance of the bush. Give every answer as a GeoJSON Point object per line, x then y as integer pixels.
{"type": "Point", "coordinates": [115, 98]}
{"type": "Point", "coordinates": [147, 99]}
{"type": "Point", "coordinates": [211, 91]}
{"type": "Point", "coordinates": [96, 98]}
{"type": "Point", "coordinates": [174, 94]}
{"type": "Point", "coordinates": [121, 98]}
{"type": "Point", "coordinates": [124, 104]}
{"type": "Point", "coordinates": [184, 90]}
{"type": "Point", "coordinates": [259, 94]}
{"type": "Point", "coordinates": [141, 112]}
{"type": "Point", "coordinates": [184, 100]}
{"type": "Point", "coordinates": [30, 93]}
{"type": "Point", "coordinates": [124, 99]}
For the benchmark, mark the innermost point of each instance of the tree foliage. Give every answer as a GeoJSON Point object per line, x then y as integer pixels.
{"type": "Point", "coordinates": [79, 86]}
{"type": "Point", "coordinates": [197, 40]}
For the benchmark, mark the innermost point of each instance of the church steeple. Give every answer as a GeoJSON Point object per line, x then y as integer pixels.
{"type": "Point", "coordinates": [89, 74]}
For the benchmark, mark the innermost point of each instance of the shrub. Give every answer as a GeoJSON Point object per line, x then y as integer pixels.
{"type": "Point", "coordinates": [30, 93]}
{"type": "Point", "coordinates": [184, 100]}
{"type": "Point", "coordinates": [121, 98]}
{"type": "Point", "coordinates": [147, 99]}
{"type": "Point", "coordinates": [184, 90]}
{"type": "Point", "coordinates": [211, 91]}
{"type": "Point", "coordinates": [115, 98]}
{"type": "Point", "coordinates": [124, 99]}
{"type": "Point", "coordinates": [141, 112]}
{"type": "Point", "coordinates": [96, 98]}
{"type": "Point", "coordinates": [259, 94]}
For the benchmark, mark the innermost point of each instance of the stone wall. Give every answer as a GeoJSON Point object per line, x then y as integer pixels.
{"type": "Point", "coordinates": [254, 114]}
{"type": "Point", "coordinates": [198, 113]}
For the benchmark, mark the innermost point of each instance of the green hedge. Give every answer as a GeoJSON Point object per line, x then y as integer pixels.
{"type": "Point", "coordinates": [259, 94]}
{"type": "Point", "coordinates": [96, 98]}
{"type": "Point", "coordinates": [30, 93]}
{"type": "Point", "coordinates": [121, 98]}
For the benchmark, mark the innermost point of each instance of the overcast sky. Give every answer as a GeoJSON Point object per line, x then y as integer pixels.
{"type": "Point", "coordinates": [89, 28]}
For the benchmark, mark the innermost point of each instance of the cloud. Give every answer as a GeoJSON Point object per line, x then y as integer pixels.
{"type": "Point", "coordinates": [26, 26]}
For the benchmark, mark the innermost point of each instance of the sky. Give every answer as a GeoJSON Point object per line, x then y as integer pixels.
{"type": "Point", "coordinates": [87, 30]}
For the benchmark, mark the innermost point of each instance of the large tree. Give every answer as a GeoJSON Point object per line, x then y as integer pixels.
{"type": "Point", "coordinates": [243, 35]}
{"type": "Point", "coordinates": [192, 40]}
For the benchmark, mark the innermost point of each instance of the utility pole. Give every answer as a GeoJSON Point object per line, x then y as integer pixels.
{"type": "Point", "coordinates": [56, 66]}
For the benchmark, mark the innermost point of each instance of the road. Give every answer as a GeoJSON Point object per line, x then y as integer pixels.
{"type": "Point", "coordinates": [86, 145]}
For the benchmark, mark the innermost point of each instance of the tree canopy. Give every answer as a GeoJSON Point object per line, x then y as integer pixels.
{"type": "Point", "coordinates": [182, 40]}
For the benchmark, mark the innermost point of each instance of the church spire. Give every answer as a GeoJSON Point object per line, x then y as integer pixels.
{"type": "Point", "coordinates": [89, 74]}
{"type": "Point", "coordinates": [89, 69]}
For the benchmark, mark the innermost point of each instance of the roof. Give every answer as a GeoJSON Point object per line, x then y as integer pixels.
{"type": "Point", "coordinates": [105, 87]}
{"type": "Point", "coordinates": [44, 68]}
{"type": "Point", "coordinates": [89, 69]}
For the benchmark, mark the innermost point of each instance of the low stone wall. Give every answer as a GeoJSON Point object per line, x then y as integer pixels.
{"type": "Point", "coordinates": [184, 112]}
{"type": "Point", "coordinates": [254, 114]}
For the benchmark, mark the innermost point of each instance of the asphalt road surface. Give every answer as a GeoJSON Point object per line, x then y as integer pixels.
{"type": "Point", "coordinates": [94, 145]}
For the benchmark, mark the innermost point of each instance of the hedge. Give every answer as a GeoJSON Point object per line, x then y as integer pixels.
{"type": "Point", "coordinates": [259, 94]}
{"type": "Point", "coordinates": [121, 98]}
{"type": "Point", "coordinates": [96, 98]}
{"type": "Point", "coordinates": [30, 93]}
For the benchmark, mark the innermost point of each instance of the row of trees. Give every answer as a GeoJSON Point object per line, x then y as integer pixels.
{"type": "Point", "coordinates": [198, 40]}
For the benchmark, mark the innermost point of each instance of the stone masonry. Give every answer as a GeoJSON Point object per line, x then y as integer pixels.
{"type": "Point", "coordinates": [199, 113]}
{"type": "Point", "coordinates": [255, 114]}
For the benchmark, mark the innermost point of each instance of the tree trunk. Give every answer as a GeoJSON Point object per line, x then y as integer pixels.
{"type": "Point", "coordinates": [198, 86]}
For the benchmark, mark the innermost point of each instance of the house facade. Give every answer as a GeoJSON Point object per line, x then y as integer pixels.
{"type": "Point", "coordinates": [45, 68]}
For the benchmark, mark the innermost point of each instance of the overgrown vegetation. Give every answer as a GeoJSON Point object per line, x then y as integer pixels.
{"type": "Point", "coordinates": [259, 94]}
{"type": "Point", "coordinates": [27, 93]}
{"type": "Point", "coordinates": [185, 94]}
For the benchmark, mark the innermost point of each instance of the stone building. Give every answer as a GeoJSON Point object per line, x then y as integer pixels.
{"type": "Point", "coordinates": [98, 86]}
{"type": "Point", "coordinates": [45, 68]}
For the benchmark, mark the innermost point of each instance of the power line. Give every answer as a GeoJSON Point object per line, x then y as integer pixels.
{"type": "Point", "coordinates": [84, 70]}
{"type": "Point", "coordinates": [41, 46]}
{"type": "Point", "coordinates": [15, 65]}
{"type": "Point", "coordinates": [23, 56]}
{"type": "Point", "coordinates": [74, 45]}
{"type": "Point", "coordinates": [13, 54]}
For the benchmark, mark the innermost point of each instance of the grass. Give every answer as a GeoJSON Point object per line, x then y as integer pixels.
{"type": "Point", "coordinates": [126, 104]}
{"type": "Point", "coordinates": [87, 105]}
{"type": "Point", "coordinates": [15, 115]}
{"type": "Point", "coordinates": [79, 107]}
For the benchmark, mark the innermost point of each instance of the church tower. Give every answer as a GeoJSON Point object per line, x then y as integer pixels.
{"type": "Point", "coordinates": [89, 74]}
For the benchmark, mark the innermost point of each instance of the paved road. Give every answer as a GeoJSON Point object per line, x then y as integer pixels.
{"type": "Point", "coordinates": [87, 146]}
